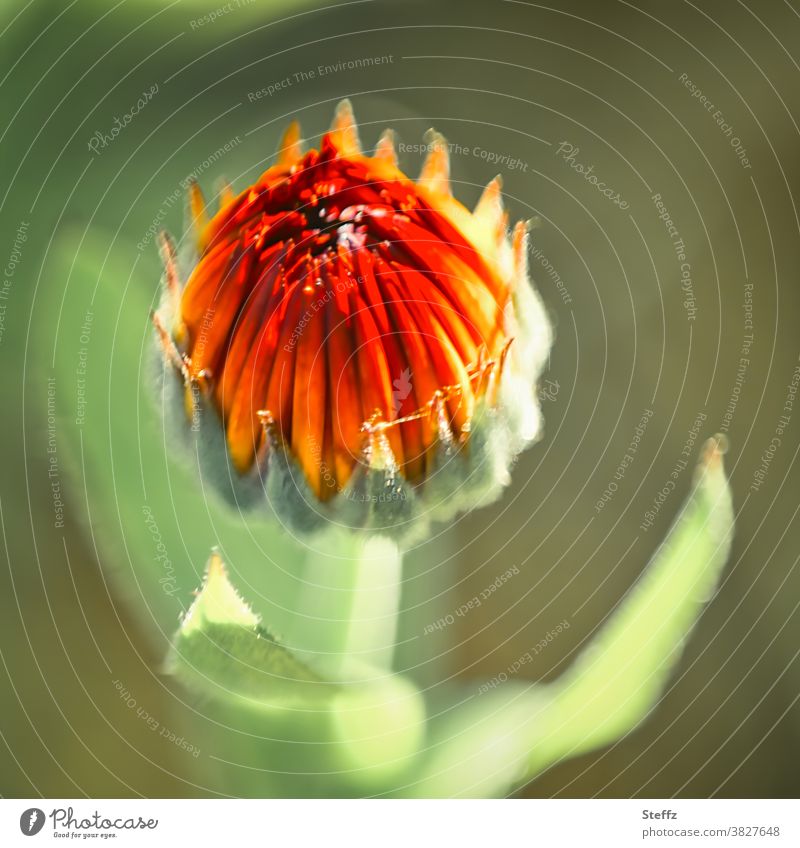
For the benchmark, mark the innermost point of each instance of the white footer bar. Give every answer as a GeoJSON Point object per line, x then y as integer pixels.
{"type": "Point", "coordinates": [404, 824]}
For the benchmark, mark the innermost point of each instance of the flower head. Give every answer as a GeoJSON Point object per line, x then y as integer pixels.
{"type": "Point", "coordinates": [358, 346]}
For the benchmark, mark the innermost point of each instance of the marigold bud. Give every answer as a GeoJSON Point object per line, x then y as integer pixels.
{"type": "Point", "coordinates": [357, 346]}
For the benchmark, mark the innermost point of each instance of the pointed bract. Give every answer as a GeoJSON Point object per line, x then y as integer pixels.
{"type": "Point", "coordinates": [435, 174]}
{"type": "Point", "coordinates": [344, 131]}
{"type": "Point", "coordinates": [385, 150]}
{"type": "Point", "coordinates": [489, 210]}
{"type": "Point", "coordinates": [290, 149]}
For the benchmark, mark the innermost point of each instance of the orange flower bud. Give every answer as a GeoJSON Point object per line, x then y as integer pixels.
{"type": "Point", "coordinates": [352, 330]}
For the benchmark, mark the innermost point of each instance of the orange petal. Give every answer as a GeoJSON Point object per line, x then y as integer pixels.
{"type": "Point", "coordinates": [309, 402]}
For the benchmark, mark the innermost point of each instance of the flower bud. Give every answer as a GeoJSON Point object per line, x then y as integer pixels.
{"type": "Point", "coordinates": [352, 346]}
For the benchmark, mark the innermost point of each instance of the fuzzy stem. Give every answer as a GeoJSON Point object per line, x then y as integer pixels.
{"type": "Point", "coordinates": [346, 613]}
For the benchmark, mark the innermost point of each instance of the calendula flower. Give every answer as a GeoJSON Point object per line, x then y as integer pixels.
{"type": "Point", "coordinates": [351, 344]}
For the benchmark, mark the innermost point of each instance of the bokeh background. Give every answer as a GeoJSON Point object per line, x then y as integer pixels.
{"type": "Point", "coordinates": [90, 486]}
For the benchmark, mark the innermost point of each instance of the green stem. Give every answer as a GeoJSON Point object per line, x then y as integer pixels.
{"type": "Point", "coordinates": [346, 614]}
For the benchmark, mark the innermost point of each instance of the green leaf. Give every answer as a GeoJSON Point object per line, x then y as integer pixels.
{"type": "Point", "coordinates": [222, 649]}
{"type": "Point", "coordinates": [364, 728]}
{"type": "Point", "coordinates": [503, 739]}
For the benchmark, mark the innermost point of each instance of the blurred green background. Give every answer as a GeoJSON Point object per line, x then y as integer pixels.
{"type": "Point", "coordinates": [696, 103]}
